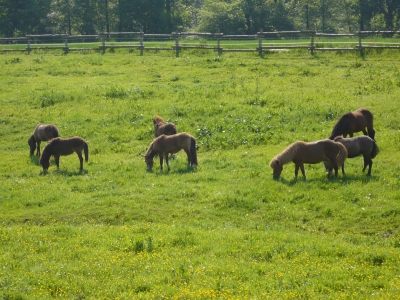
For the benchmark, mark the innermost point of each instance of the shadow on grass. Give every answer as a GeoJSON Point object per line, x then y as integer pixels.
{"type": "Point", "coordinates": [341, 180]}
{"type": "Point", "coordinates": [35, 159]}
{"type": "Point", "coordinates": [65, 173]}
{"type": "Point", "coordinates": [182, 170]}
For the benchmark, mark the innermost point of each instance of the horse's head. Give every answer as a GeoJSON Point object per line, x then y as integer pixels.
{"type": "Point", "coordinates": [277, 168]}
{"type": "Point", "coordinates": [32, 144]}
{"type": "Point", "coordinates": [149, 162]}
{"type": "Point", "coordinates": [45, 163]}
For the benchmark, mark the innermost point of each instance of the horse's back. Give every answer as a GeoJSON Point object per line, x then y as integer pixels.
{"type": "Point", "coordinates": [45, 132]}
{"type": "Point", "coordinates": [365, 112]}
{"type": "Point", "coordinates": [357, 145]}
{"type": "Point", "coordinates": [315, 152]}
{"type": "Point", "coordinates": [172, 143]}
{"type": "Point", "coordinates": [66, 146]}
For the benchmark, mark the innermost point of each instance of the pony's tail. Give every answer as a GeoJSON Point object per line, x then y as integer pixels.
{"type": "Point", "coordinates": [340, 159]}
{"type": "Point", "coordinates": [86, 150]}
{"type": "Point", "coordinates": [375, 150]}
{"type": "Point", "coordinates": [193, 151]}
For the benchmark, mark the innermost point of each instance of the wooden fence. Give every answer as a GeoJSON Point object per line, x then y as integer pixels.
{"type": "Point", "coordinates": [260, 42]}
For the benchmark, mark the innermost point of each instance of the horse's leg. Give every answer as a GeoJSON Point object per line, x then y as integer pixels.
{"type": "Point", "coordinates": [367, 162]}
{"type": "Point", "coordinates": [296, 170]}
{"type": "Point", "coordinates": [370, 167]}
{"type": "Point", "coordinates": [343, 169]}
{"type": "Point", "coordinates": [188, 156]}
{"type": "Point", "coordinates": [38, 148]}
{"type": "Point", "coordinates": [336, 168]}
{"type": "Point", "coordinates": [80, 159]}
{"type": "Point", "coordinates": [301, 166]}
{"type": "Point", "coordinates": [364, 131]}
{"type": "Point", "coordinates": [57, 160]}
{"type": "Point", "coordinates": [167, 161]}
{"type": "Point", "coordinates": [161, 161]}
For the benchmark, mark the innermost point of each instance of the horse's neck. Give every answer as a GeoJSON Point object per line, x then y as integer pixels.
{"type": "Point", "coordinates": [288, 154]}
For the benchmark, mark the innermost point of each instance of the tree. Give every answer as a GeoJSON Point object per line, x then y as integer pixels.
{"type": "Point", "coordinates": [21, 17]}
{"type": "Point", "coordinates": [391, 11]}
{"type": "Point", "coordinates": [222, 16]}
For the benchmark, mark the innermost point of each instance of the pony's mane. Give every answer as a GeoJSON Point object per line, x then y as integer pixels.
{"type": "Point", "coordinates": [341, 124]}
{"type": "Point", "coordinates": [286, 155]}
{"type": "Point", "coordinates": [150, 152]}
{"type": "Point", "coordinates": [46, 153]}
{"type": "Point", "coordinates": [158, 120]}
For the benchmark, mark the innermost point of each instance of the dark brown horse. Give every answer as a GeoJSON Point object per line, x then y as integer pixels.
{"type": "Point", "coordinates": [41, 133]}
{"type": "Point", "coordinates": [170, 144]}
{"type": "Point", "coordinates": [354, 122]}
{"type": "Point", "coordinates": [327, 151]}
{"type": "Point", "coordinates": [360, 145]}
{"type": "Point", "coordinates": [59, 146]}
{"type": "Point", "coordinates": [161, 128]}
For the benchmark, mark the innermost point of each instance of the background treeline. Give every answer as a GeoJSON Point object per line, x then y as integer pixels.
{"type": "Point", "coordinates": [22, 17]}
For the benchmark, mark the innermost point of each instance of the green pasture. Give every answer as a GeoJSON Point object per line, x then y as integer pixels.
{"type": "Point", "coordinates": [223, 230]}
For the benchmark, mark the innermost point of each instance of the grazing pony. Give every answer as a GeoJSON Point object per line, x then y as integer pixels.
{"type": "Point", "coordinates": [161, 128]}
{"type": "Point", "coordinates": [360, 145]}
{"type": "Point", "coordinates": [59, 146]}
{"type": "Point", "coordinates": [41, 133]}
{"type": "Point", "coordinates": [354, 122]}
{"type": "Point", "coordinates": [333, 154]}
{"type": "Point", "coordinates": [166, 144]}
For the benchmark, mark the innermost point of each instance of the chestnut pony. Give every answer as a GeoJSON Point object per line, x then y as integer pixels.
{"type": "Point", "coordinates": [331, 153]}
{"type": "Point", "coordinates": [59, 146]}
{"type": "Point", "coordinates": [170, 144]}
{"type": "Point", "coordinates": [161, 128]}
{"type": "Point", "coordinates": [354, 122]}
{"type": "Point", "coordinates": [41, 133]}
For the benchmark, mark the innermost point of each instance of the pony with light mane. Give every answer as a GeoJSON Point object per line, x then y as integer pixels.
{"type": "Point", "coordinates": [161, 128]}
{"type": "Point", "coordinates": [360, 145]}
{"type": "Point", "coordinates": [41, 133]}
{"type": "Point", "coordinates": [170, 144]}
{"type": "Point", "coordinates": [355, 121]}
{"type": "Point", "coordinates": [60, 147]}
{"type": "Point", "coordinates": [331, 153]}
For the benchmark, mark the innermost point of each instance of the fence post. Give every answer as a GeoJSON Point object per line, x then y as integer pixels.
{"type": "Point", "coordinates": [66, 45]}
{"type": "Point", "coordinates": [141, 42]}
{"type": "Point", "coordinates": [260, 41]}
{"type": "Point", "coordinates": [176, 36]}
{"type": "Point", "coordinates": [218, 36]}
{"type": "Point", "coordinates": [312, 42]}
{"type": "Point", "coordinates": [103, 42]}
{"type": "Point", "coordinates": [359, 42]}
{"type": "Point", "coordinates": [28, 48]}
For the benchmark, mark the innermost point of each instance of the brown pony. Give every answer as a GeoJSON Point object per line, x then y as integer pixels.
{"type": "Point", "coordinates": [161, 128]}
{"type": "Point", "coordinates": [41, 133]}
{"type": "Point", "coordinates": [166, 144]}
{"type": "Point", "coordinates": [360, 145]}
{"type": "Point", "coordinates": [354, 122]}
{"type": "Point", "coordinates": [59, 146]}
{"type": "Point", "coordinates": [333, 154]}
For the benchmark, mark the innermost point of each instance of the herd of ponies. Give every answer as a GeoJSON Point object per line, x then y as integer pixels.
{"type": "Point", "coordinates": [332, 151]}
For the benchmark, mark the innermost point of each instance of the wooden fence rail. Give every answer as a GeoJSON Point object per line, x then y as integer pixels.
{"type": "Point", "coordinates": [264, 41]}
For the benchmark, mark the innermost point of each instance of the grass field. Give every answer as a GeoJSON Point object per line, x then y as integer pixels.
{"type": "Point", "coordinates": [223, 230]}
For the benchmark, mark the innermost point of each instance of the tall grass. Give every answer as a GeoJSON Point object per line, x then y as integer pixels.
{"type": "Point", "coordinates": [225, 229]}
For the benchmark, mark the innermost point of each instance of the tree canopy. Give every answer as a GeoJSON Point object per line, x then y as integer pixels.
{"type": "Point", "coordinates": [23, 17]}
